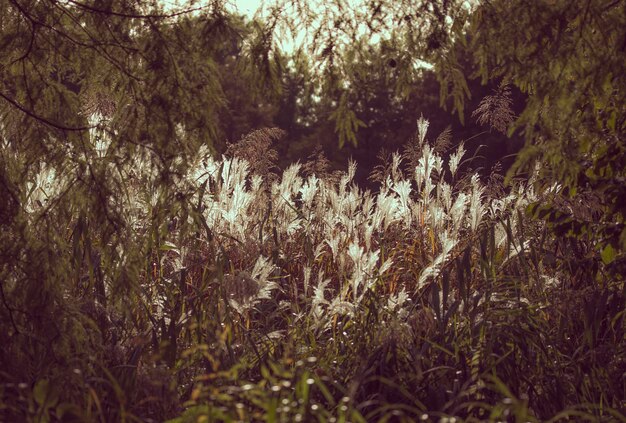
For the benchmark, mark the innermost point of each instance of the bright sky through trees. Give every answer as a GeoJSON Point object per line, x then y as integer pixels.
{"type": "Point", "coordinates": [289, 40]}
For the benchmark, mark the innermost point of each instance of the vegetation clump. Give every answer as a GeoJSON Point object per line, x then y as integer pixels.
{"type": "Point", "coordinates": [161, 261]}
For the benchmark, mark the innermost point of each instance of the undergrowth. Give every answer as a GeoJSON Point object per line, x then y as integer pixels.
{"type": "Point", "coordinates": [244, 293]}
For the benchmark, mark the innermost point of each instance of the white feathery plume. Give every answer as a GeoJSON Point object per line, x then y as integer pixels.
{"type": "Point", "coordinates": [290, 182]}
{"type": "Point", "coordinates": [396, 302]}
{"type": "Point", "coordinates": [355, 252]}
{"type": "Point", "coordinates": [347, 177]}
{"type": "Point", "coordinates": [256, 183]}
{"type": "Point", "coordinates": [432, 271]}
{"type": "Point", "coordinates": [437, 216]}
{"type": "Point", "coordinates": [367, 204]}
{"type": "Point", "coordinates": [369, 261]}
{"type": "Point", "coordinates": [385, 266]}
{"type": "Point", "coordinates": [351, 170]}
{"type": "Point", "coordinates": [499, 205]}
{"type": "Point", "coordinates": [101, 140]}
{"type": "Point", "coordinates": [368, 270]}
{"type": "Point", "coordinates": [455, 159]}
{"type": "Point", "coordinates": [500, 235]}
{"type": "Point", "coordinates": [424, 168]}
{"type": "Point", "coordinates": [156, 193]}
{"type": "Point", "coordinates": [396, 160]}
{"type": "Point", "coordinates": [457, 212]}
{"type": "Point", "coordinates": [429, 186]}
{"type": "Point", "coordinates": [306, 276]}
{"type": "Point", "coordinates": [308, 190]}
{"type": "Point", "coordinates": [351, 201]}
{"type": "Point", "coordinates": [333, 243]}
{"type": "Point", "coordinates": [340, 307]}
{"type": "Point", "coordinates": [318, 291]}
{"type": "Point", "coordinates": [206, 170]}
{"type": "Point", "coordinates": [228, 170]}
{"type": "Point", "coordinates": [403, 189]}
{"type": "Point", "coordinates": [294, 226]}
{"type": "Point", "coordinates": [238, 172]}
{"type": "Point", "coordinates": [234, 208]}
{"type": "Point", "coordinates": [476, 206]}
{"type": "Point", "coordinates": [417, 211]}
{"type": "Point", "coordinates": [319, 250]}
{"type": "Point", "coordinates": [369, 230]}
{"type": "Point", "coordinates": [387, 206]}
{"type": "Point", "coordinates": [319, 300]}
{"type": "Point", "coordinates": [388, 182]}
{"type": "Point", "coordinates": [422, 128]}
{"type": "Point", "coordinates": [447, 243]}
{"type": "Point", "coordinates": [261, 271]}
{"type": "Point", "coordinates": [211, 167]}
{"type": "Point", "coordinates": [525, 195]}
{"type": "Point", "coordinates": [437, 164]}
{"type": "Point", "coordinates": [240, 198]}
{"type": "Point", "coordinates": [418, 175]}
{"type": "Point", "coordinates": [350, 226]}
{"type": "Point", "coordinates": [364, 268]}
{"type": "Point", "coordinates": [377, 214]}
{"type": "Point", "coordinates": [444, 195]}
{"type": "Point", "coordinates": [259, 277]}
{"type": "Point", "coordinates": [334, 204]}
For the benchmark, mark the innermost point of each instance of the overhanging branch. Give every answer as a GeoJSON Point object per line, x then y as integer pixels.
{"type": "Point", "coordinates": [43, 119]}
{"type": "Point", "coordinates": [134, 15]}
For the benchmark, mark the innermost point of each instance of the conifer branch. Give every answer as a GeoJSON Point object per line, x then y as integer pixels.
{"type": "Point", "coordinates": [43, 119]}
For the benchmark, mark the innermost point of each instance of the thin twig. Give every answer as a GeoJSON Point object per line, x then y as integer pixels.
{"type": "Point", "coordinates": [136, 15]}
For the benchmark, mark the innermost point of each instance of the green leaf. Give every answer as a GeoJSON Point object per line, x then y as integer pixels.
{"type": "Point", "coordinates": [40, 392]}
{"type": "Point", "coordinates": [608, 254]}
{"type": "Point", "coordinates": [611, 121]}
{"type": "Point", "coordinates": [168, 246]}
{"type": "Point", "coordinates": [45, 395]}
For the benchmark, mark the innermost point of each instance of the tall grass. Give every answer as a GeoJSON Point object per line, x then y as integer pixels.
{"type": "Point", "coordinates": [295, 296]}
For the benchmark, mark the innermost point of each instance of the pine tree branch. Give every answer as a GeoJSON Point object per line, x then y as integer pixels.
{"type": "Point", "coordinates": [43, 119]}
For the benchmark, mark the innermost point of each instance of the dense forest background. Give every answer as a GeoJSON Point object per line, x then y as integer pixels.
{"type": "Point", "coordinates": [415, 213]}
